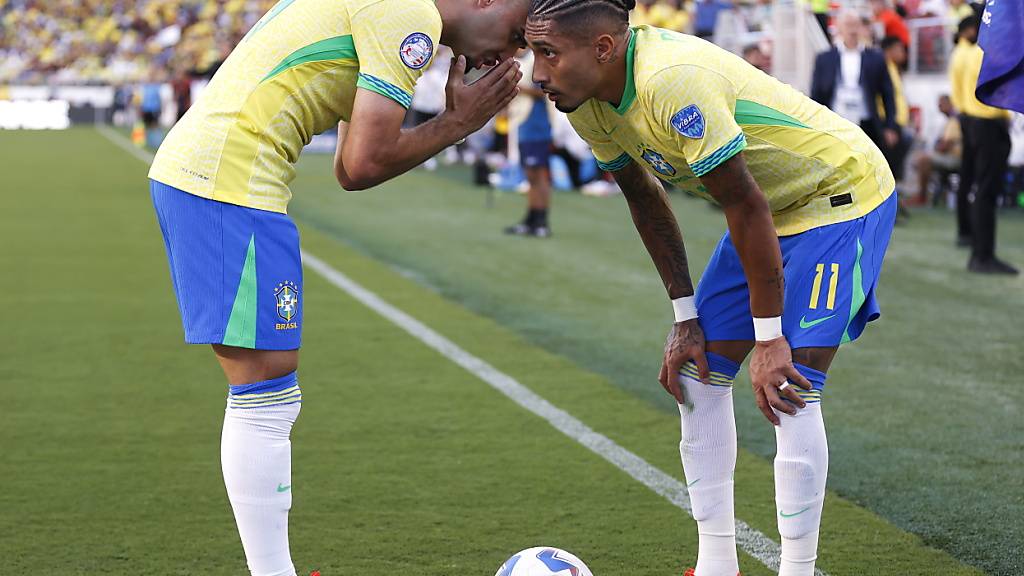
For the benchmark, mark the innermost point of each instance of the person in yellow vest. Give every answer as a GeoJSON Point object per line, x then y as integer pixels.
{"type": "Point", "coordinates": [986, 152]}
{"type": "Point", "coordinates": [895, 52]}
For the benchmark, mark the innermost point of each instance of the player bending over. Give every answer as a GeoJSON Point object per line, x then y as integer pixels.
{"type": "Point", "coordinates": [810, 207]}
{"type": "Point", "coordinates": [220, 186]}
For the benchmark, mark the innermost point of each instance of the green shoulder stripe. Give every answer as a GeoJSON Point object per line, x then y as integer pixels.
{"type": "Point", "coordinates": [752, 113]}
{"type": "Point", "coordinates": [337, 48]}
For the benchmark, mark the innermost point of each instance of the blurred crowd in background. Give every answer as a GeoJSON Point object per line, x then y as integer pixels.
{"type": "Point", "coordinates": [160, 53]}
{"type": "Point", "coordinates": [118, 41]}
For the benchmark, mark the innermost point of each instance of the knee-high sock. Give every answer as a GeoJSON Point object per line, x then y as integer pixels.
{"type": "Point", "coordinates": [801, 467]}
{"type": "Point", "coordinates": [708, 451]}
{"type": "Point", "coordinates": [256, 462]}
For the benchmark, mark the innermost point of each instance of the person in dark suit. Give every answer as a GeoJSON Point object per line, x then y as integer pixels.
{"type": "Point", "coordinates": [851, 78]}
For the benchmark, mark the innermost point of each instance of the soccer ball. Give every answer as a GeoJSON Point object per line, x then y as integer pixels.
{"type": "Point", "coordinates": [543, 561]}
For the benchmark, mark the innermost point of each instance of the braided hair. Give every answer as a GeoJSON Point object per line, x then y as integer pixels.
{"type": "Point", "coordinates": [580, 14]}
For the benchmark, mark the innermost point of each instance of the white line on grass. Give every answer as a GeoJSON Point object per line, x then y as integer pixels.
{"type": "Point", "coordinates": [752, 541]}
{"type": "Point", "coordinates": [123, 143]}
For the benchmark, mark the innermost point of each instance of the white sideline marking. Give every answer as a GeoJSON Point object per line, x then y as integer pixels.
{"type": "Point", "coordinates": [750, 540]}
{"type": "Point", "coordinates": [123, 143]}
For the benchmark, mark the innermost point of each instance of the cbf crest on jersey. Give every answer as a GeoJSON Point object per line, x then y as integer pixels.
{"type": "Point", "coordinates": [689, 122]}
{"type": "Point", "coordinates": [416, 50]}
{"type": "Point", "coordinates": [287, 295]}
{"type": "Point", "coordinates": [658, 162]}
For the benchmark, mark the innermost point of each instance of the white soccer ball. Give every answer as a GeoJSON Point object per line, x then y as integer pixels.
{"type": "Point", "coordinates": [543, 561]}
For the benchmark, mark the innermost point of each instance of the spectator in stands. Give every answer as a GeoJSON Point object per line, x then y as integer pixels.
{"type": "Point", "coordinates": [181, 85]}
{"type": "Point", "coordinates": [986, 151]}
{"type": "Point", "coordinates": [944, 157]}
{"type": "Point", "coordinates": [850, 78]}
{"type": "Point", "coordinates": [1016, 191]}
{"type": "Point", "coordinates": [892, 23]}
{"type": "Point", "coordinates": [758, 16]}
{"type": "Point", "coordinates": [530, 112]}
{"type": "Point", "coordinates": [956, 12]}
{"type": "Point", "coordinates": [754, 55]}
{"type": "Point", "coordinates": [966, 28]}
{"type": "Point", "coordinates": [895, 53]}
{"type": "Point", "coordinates": [83, 41]}
{"type": "Point", "coordinates": [706, 16]}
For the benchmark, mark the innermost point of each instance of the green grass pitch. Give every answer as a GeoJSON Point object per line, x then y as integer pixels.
{"type": "Point", "coordinates": [407, 464]}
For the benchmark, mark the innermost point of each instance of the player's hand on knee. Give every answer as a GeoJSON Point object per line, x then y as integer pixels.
{"type": "Point", "coordinates": [773, 377]}
{"type": "Point", "coordinates": [471, 106]}
{"type": "Point", "coordinates": [685, 342]}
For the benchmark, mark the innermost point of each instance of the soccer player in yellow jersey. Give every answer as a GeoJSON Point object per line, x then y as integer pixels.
{"type": "Point", "coordinates": [810, 207]}
{"type": "Point", "coordinates": [220, 187]}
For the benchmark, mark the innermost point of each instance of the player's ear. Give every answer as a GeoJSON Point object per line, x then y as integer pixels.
{"type": "Point", "coordinates": [604, 48]}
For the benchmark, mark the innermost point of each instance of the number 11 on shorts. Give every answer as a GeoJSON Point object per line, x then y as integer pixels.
{"type": "Point", "coordinates": [833, 281]}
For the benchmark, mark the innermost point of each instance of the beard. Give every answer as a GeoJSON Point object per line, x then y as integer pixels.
{"type": "Point", "coordinates": [566, 108]}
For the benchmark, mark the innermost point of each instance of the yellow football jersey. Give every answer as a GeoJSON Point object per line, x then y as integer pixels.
{"type": "Point", "coordinates": [689, 105]}
{"type": "Point", "coordinates": [293, 76]}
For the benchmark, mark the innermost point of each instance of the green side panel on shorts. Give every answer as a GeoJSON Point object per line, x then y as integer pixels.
{"type": "Point", "coordinates": [858, 293]}
{"type": "Point", "coordinates": [241, 330]}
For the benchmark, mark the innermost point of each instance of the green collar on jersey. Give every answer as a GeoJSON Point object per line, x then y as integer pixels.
{"type": "Point", "coordinates": [629, 94]}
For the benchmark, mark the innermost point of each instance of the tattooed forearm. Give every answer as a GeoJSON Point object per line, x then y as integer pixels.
{"type": "Point", "coordinates": [658, 229]}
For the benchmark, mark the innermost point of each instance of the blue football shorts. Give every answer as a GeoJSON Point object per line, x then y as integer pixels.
{"type": "Point", "coordinates": [535, 154]}
{"type": "Point", "coordinates": [831, 274]}
{"type": "Point", "coordinates": [236, 271]}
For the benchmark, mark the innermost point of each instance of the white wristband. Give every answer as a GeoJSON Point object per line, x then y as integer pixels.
{"type": "Point", "coordinates": [766, 329]}
{"type": "Point", "coordinates": [685, 308]}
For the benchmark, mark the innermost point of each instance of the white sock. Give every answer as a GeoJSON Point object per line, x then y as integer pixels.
{"type": "Point", "coordinates": [708, 451]}
{"type": "Point", "coordinates": [256, 462]}
{"type": "Point", "coordinates": [801, 468]}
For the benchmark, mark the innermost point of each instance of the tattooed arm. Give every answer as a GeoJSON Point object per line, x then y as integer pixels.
{"type": "Point", "coordinates": [652, 215]}
{"type": "Point", "coordinates": [753, 234]}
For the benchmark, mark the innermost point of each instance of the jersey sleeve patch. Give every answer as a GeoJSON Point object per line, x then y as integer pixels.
{"type": "Point", "coordinates": [416, 50]}
{"type": "Point", "coordinates": [689, 122]}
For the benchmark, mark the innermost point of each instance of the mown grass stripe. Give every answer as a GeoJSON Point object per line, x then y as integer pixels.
{"type": "Point", "coordinates": [752, 541]}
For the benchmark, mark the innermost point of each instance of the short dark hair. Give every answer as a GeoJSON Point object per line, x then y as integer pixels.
{"type": "Point", "coordinates": [582, 14]}
{"type": "Point", "coordinates": [967, 23]}
{"type": "Point", "coordinates": [890, 41]}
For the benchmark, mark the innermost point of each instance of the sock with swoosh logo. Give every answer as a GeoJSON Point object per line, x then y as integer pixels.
{"type": "Point", "coordinates": [256, 459]}
{"type": "Point", "coordinates": [708, 452]}
{"type": "Point", "coordinates": [801, 467]}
